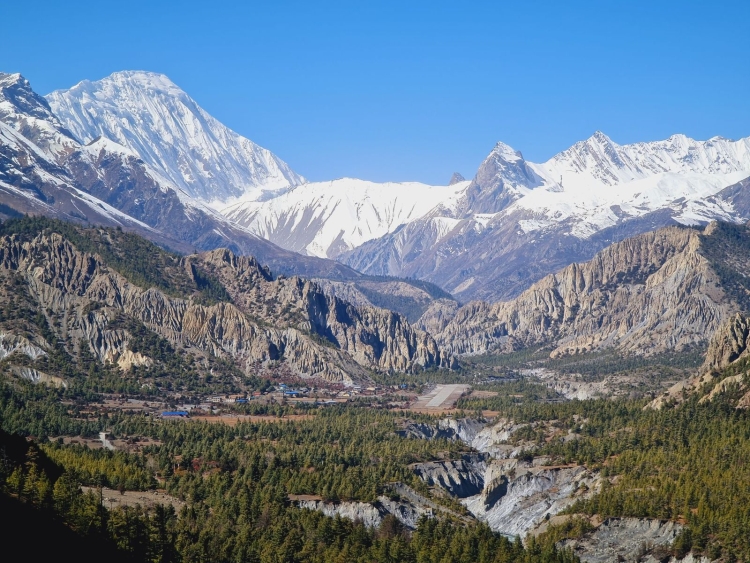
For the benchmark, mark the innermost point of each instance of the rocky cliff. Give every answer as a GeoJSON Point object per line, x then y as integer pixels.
{"type": "Point", "coordinates": [255, 319]}
{"type": "Point", "coordinates": [460, 478]}
{"type": "Point", "coordinates": [373, 337]}
{"type": "Point", "coordinates": [659, 291]}
{"type": "Point", "coordinates": [723, 370]}
{"type": "Point", "coordinates": [628, 540]}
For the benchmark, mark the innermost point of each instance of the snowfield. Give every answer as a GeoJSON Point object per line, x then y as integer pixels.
{"type": "Point", "coordinates": [148, 114]}
{"type": "Point", "coordinates": [326, 218]}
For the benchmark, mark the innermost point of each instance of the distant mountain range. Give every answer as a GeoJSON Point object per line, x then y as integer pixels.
{"type": "Point", "coordinates": [518, 221]}
{"type": "Point", "coordinates": [134, 149]}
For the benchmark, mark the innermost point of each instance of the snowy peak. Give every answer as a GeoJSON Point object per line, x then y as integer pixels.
{"type": "Point", "coordinates": [145, 80]}
{"type": "Point", "coordinates": [507, 164]}
{"type": "Point", "coordinates": [16, 95]}
{"type": "Point", "coordinates": [326, 219]}
{"type": "Point", "coordinates": [598, 157]}
{"type": "Point", "coordinates": [456, 178]}
{"type": "Point", "coordinates": [502, 178]}
{"type": "Point", "coordinates": [29, 113]}
{"type": "Point", "coordinates": [599, 161]}
{"type": "Point", "coordinates": [150, 115]}
{"type": "Point", "coordinates": [506, 153]}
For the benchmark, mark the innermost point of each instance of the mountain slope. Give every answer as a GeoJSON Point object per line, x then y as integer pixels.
{"type": "Point", "coordinates": [149, 114]}
{"type": "Point", "coordinates": [95, 287]}
{"type": "Point", "coordinates": [108, 184]}
{"type": "Point", "coordinates": [656, 292]}
{"type": "Point", "coordinates": [327, 218]}
{"type": "Point", "coordinates": [518, 221]}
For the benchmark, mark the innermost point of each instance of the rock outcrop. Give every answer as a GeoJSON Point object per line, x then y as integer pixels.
{"type": "Point", "coordinates": [464, 430]}
{"type": "Point", "coordinates": [728, 346]}
{"type": "Point", "coordinates": [373, 337]}
{"type": "Point", "coordinates": [369, 514]}
{"type": "Point", "coordinates": [406, 505]}
{"type": "Point", "coordinates": [729, 343]}
{"type": "Point", "coordinates": [652, 293]}
{"type": "Point", "coordinates": [288, 319]}
{"type": "Point", "coordinates": [460, 478]}
{"type": "Point", "coordinates": [626, 540]}
{"type": "Point", "coordinates": [517, 496]}
{"type": "Point", "coordinates": [437, 316]}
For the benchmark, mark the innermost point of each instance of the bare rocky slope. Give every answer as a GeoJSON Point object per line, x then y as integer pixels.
{"type": "Point", "coordinates": [661, 291]}
{"type": "Point", "coordinates": [724, 370]}
{"type": "Point", "coordinates": [247, 318]}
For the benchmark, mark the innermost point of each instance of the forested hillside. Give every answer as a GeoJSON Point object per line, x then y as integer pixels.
{"type": "Point", "coordinates": [688, 463]}
{"type": "Point", "coordinates": [236, 482]}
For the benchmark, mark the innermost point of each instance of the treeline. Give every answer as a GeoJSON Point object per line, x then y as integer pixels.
{"type": "Point", "coordinates": [39, 411]}
{"type": "Point", "coordinates": [113, 469]}
{"type": "Point", "coordinates": [593, 366]}
{"type": "Point", "coordinates": [339, 453]}
{"type": "Point", "coordinates": [511, 394]}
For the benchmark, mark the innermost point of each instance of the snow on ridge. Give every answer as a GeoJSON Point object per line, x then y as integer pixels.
{"type": "Point", "coordinates": [326, 218]}
{"type": "Point", "coordinates": [599, 161]}
{"type": "Point", "coordinates": [147, 113]}
{"type": "Point", "coordinates": [594, 209]}
{"type": "Point", "coordinates": [506, 152]}
{"type": "Point", "coordinates": [585, 182]}
{"type": "Point", "coordinates": [591, 186]}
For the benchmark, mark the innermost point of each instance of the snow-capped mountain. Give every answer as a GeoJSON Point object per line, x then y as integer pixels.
{"type": "Point", "coordinates": [599, 161]}
{"type": "Point", "coordinates": [517, 221]}
{"type": "Point", "coordinates": [45, 170]}
{"type": "Point", "coordinates": [33, 144]}
{"type": "Point", "coordinates": [155, 156]}
{"type": "Point", "coordinates": [594, 185]}
{"type": "Point", "coordinates": [599, 183]}
{"type": "Point", "coordinates": [147, 113]}
{"type": "Point", "coordinates": [328, 218]}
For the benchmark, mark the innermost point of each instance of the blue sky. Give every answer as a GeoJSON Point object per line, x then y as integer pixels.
{"type": "Point", "coordinates": [410, 90]}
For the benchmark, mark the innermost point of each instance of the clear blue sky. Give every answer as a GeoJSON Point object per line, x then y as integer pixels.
{"type": "Point", "coordinates": [410, 90]}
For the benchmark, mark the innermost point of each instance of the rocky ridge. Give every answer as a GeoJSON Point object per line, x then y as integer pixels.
{"type": "Point", "coordinates": [724, 369]}
{"type": "Point", "coordinates": [518, 221]}
{"type": "Point", "coordinates": [313, 334]}
{"type": "Point", "coordinates": [655, 292]}
{"type": "Point", "coordinates": [373, 337]}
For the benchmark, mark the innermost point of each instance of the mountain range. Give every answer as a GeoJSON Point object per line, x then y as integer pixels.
{"type": "Point", "coordinates": [489, 238]}
{"type": "Point", "coordinates": [136, 152]}
{"type": "Point", "coordinates": [151, 258]}
{"type": "Point", "coordinates": [517, 221]}
{"type": "Point", "coordinates": [46, 169]}
{"type": "Point", "coordinates": [102, 288]}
